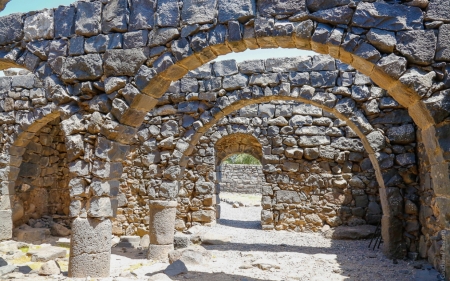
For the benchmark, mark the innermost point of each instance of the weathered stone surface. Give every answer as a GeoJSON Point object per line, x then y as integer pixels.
{"type": "Point", "coordinates": [49, 268]}
{"type": "Point", "coordinates": [142, 14]}
{"type": "Point", "coordinates": [197, 11]}
{"type": "Point", "coordinates": [82, 68]}
{"type": "Point", "coordinates": [64, 21]}
{"type": "Point", "coordinates": [438, 10]}
{"type": "Point", "coordinates": [270, 7]}
{"type": "Point", "coordinates": [39, 26]}
{"type": "Point", "coordinates": [402, 135]}
{"type": "Point", "coordinates": [316, 5]}
{"type": "Point", "coordinates": [418, 46]}
{"type": "Point", "coordinates": [236, 10]}
{"type": "Point", "coordinates": [11, 28]}
{"type": "Point", "coordinates": [115, 16]}
{"type": "Point", "coordinates": [168, 13]}
{"type": "Point", "coordinates": [47, 254]}
{"type": "Point", "coordinates": [123, 62]}
{"type": "Point", "coordinates": [383, 40]}
{"type": "Point", "coordinates": [442, 48]}
{"type": "Point", "coordinates": [393, 65]}
{"type": "Point", "coordinates": [387, 16]}
{"type": "Point", "coordinates": [88, 18]}
{"type": "Point", "coordinates": [337, 15]}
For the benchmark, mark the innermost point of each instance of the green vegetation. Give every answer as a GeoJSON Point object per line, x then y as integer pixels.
{"type": "Point", "coordinates": [242, 159]}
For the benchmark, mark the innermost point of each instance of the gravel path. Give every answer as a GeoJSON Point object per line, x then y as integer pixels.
{"type": "Point", "coordinates": [300, 256]}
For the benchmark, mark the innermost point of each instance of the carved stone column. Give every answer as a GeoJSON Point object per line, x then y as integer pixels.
{"type": "Point", "coordinates": [162, 226]}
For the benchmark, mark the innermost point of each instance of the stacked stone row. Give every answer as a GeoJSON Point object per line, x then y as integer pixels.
{"type": "Point", "coordinates": [239, 178]}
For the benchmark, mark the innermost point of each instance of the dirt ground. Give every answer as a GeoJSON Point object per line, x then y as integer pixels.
{"type": "Point", "coordinates": [253, 255]}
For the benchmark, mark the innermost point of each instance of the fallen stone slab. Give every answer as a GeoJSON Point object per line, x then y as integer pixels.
{"type": "Point", "coordinates": [193, 255]}
{"type": "Point", "coordinates": [145, 241]}
{"type": "Point", "coordinates": [50, 268]}
{"type": "Point", "coordinates": [129, 241]}
{"type": "Point", "coordinates": [45, 254]}
{"type": "Point", "coordinates": [215, 239]}
{"type": "Point", "coordinates": [31, 234]}
{"type": "Point", "coordinates": [63, 242]}
{"type": "Point", "coordinates": [176, 268]}
{"type": "Point", "coordinates": [7, 269]}
{"type": "Point", "coordinates": [351, 232]}
{"type": "Point", "coordinates": [266, 264]}
{"type": "Point", "coordinates": [181, 240]}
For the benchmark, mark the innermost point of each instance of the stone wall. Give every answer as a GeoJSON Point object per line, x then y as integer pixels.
{"type": "Point", "coordinates": [302, 146]}
{"type": "Point", "coordinates": [104, 64]}
{"type": "Point", "coordinates": [240, 178]}
{"type": "Point", "coordinates": [42, 187]}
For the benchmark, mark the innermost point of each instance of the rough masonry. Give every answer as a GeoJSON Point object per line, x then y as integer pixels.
{"type": "Point", "coordinates": [102, 66]}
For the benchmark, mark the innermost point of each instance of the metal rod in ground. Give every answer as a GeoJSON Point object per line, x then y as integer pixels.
{"type": "Point", "coordinates": [374, 235]}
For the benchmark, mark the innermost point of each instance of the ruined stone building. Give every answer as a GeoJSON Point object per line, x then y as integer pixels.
{"type": "Point", "coordinates": [122, 122]}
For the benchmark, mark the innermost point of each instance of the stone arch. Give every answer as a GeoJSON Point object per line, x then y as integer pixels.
{"type": "Point", "coordinates": [237, 143]}
{"type": "Point", "coordinates": [261, 87]}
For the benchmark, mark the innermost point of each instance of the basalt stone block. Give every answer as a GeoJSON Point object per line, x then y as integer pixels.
{"type": "Point", "coordinates": [337, 15]}
{"type": "Point", "coordinates": [115, 16]}
{"type": "Point", "coordinates": [383, 40]}
{"type": "Point", "coordinates": [322, 33]}
{"type": "Point", "coordinates": [405, 159]}
{"type": "Point", "coordinates": [439, 105]}
{"type": "Point", "coordinates": [96, 44]}
{"type": "Point", "coordinates": [343, 143]}
{"type": "Point", "coordinates": [312, 141]}
{"type": "Point", "coordinates": [264, 79]}
{"type": "Point", "coordinates": [123, 62]}
{"type": "Point", "coordinates": [82, 68]}
{"type": "Point", "coordinates": [299, 78]}
{"type": "Point", "coordinates": [142, 14]}
{"type": "Point", "coordinates": [317, 5]}
{"type": "Point", "coordinates": [115, 40]}
{"type": "Point", "coordinates": [135, 39]}
{"type": "Point", "coordinates": [217, 35]}
{"type": "Point", "coordinates": [250, 67]}
{"type": "Point", "coordinates": [88, 18]}
{"type": "Point", "coordinates": [402, 134]}
{"type": "Point", "coordinates": [198, 11]}
{"type": "Point", "coordinates": [39, 26]}
{"type": "Point", "coordinates": [287, 196]}
{"type": "Point", "coordinates": [269, 8]}
{"type": "Point", "coordinates": [438, 10]}
{"type": "Point", "coordinates": [24, 81]}
{"type": "Point", "coordinates": [418, 46]}
{"type": "Point", "coordinates": [393, 65]}
{"type": "Point", "coordinates": [385, 160]}
{"type": "Point", "coordinates": [226, 67]}
{"type": "Point", "coordinates": [39, 48]}
{"type": "Point", "coordinates": [11, 28]}
{"type": "Point", "coordinates": [76, 46]}
{"type": "Point", "coordinates": [387, 16]}
{"type": "Point", "coordinates": [168, 13]}
{"type": "Point", "coordinates": [241, 10]}
{"type": "Point", "coordinates": [234, 82]}
{"type": "Point", "coordinates": [443, 49]}
{"type": "Point", "coordinates": [324, 78]}
{"type": "Point", "coordinates": [64, 21]}
{"type": "Point", "coordinates": [162, 36]}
